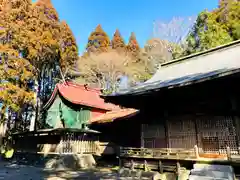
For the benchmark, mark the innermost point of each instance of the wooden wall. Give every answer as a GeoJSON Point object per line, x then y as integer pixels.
{"type": "Point", "coordinates": [122, 132]}
{"type": "Point", "coordinates": [58, 143]}
{"type": "Point", "coordinates": [210, 133]}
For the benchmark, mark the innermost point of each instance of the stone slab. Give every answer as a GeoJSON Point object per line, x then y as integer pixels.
{"type": "Point", "coordinates": [214, 174]}
{"type": "Point", "coordinates": [195, 177]}
{"type": "Point", "coordinates": [213, 167]}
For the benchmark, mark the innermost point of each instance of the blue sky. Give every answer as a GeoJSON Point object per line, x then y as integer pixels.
{"type": "Point", "coordinates": [127, 15]}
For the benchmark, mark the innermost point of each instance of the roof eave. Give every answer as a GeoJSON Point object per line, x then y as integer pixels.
{"type": "Point", "coordinates": [216, 49]}
{"type": "Point", "coordinates": [141, 92]}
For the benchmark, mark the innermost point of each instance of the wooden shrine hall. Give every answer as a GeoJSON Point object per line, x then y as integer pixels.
{"type": "Point", "coordinates": [189, 110]}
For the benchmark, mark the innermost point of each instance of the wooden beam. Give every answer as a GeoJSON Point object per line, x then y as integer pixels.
{"type": "Point", "coordinates": [228, 153]}
{"type": "Point", "coordinates": [160, 167]}
{"type": "Point", "coordinates": [132, 165]}
{"type": "Point", "coordinates": [178, 169]}
{"type": "Point", "coordinates": [145, 166]}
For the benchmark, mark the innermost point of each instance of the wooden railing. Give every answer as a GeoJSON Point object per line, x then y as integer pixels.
{"type": "Point", "coordinates": [173, 153]}
{"type": "Point", "coordinates": [77, 147]}
{"type": "Point", "coordinates": [158, 153]}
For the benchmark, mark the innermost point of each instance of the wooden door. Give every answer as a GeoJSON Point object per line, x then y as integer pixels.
{"type": "Point", "coordinates": [153, 136]}
{"type": "Point", "coordinates": [181, 132]}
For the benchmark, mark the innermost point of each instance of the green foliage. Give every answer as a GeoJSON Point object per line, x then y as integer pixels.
{"type": "Point", "coordinates": [229, 15]}
{"type": "Point", "coordinates": [215, 28]}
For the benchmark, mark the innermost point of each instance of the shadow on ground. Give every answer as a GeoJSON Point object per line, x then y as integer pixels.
{"type": "Point", "coordinates": [32, 167]}
{"type": "Point", "coordinates": [13, 171]}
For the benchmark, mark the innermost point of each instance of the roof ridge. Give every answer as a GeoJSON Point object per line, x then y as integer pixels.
{"type": "Point", "coordinates": [84, 86]}
{"type": "Point", "coordinates": [202, 53]}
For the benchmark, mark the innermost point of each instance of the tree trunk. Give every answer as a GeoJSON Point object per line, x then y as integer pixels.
{"type": "Point", "coordinates": [36, 107]}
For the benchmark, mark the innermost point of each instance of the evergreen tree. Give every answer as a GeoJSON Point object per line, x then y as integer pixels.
{"type": "Point", "coordinates": [228, 14]}
{"type": "Point", "coordinates": [215, 28]}
{"type": "Point", "coordinates": [98, 41]}
{"type": "Point", "coordinates": [69, 50]}
{"type": "Point", "coordinates": [33, 32]}
{"type": "Point", "coordinates": [16, 72]}
{"type": "Point", "coordinates": [44, 31]}
{"type": "Point", "coordinates": [48, 9]}
{"type": "Point", "coordinates": [133, 47]}
{"type": "Point", "coordinates": [117, 42]}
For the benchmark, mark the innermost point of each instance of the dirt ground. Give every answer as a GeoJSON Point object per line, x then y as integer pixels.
{"type": "Point", "coordinates": [10, 171]}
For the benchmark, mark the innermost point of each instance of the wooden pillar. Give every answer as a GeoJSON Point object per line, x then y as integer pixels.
{"type": "Point", "coordinates": [142, 136]}
{"type": "Point", "coordinates": [228, 153]}
{"type": "Point", "coordinates": [196, 151]}
{"type": "Point", "coordinates": [166, 128]}
{"type": "Point", "coordinates": [178, 169]}
{"type": "Point", "coordinates": [132, 165]}
{"type": "Point", "coordinates": [160, 167]}
{"type": "Point", "coordinates": [237, 124]}
{"type": "Point", "coordinates": [119, 162]}
{"type": "Point", "coordinates": [145, 166]}
{"type": "Point", "coordinates": [196, 130]}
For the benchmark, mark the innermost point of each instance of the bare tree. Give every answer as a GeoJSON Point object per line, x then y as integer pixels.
{"type": "Point", "coordinates": [157, 52]}
{"type": "Point", "coordinates": [105, 70]}
{"type": "Point", "coordinates": [171, 35]}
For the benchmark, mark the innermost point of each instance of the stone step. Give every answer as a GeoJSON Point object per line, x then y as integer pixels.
{"type": "Point", "coordinates": [214, 174]}
{"type": "Point", "coordinates": [184, 174]}
{"type": "Point", "coordinates": [138, 174]}
{"type": "Point", "coordinates": [213, 167]}
{"type": "Point", "coordinates": [195, 177]}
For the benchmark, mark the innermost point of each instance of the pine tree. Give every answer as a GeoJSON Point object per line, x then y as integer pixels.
{"type": "Point", "coordinates": [133, 47]}
{"type": "Point", "coordinates": [98, 41]}
{"type": "Point", "coordinates": [117, 42]}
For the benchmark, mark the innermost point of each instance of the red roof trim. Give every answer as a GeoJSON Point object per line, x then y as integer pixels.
{"type": "Point", "coordinates": [85, 104]}
{"type": "Point", "coordinates": [80, 94]}
{"type": "Point", "coordinates": [52, 98]}
{"type": "Point", "coordinates": [113, 115]}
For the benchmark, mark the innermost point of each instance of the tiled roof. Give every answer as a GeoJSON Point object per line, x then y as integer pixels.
{"type": "Point", "coordinates": [80, 94]}
{"type": "Point", "coordinates": [112, 115]}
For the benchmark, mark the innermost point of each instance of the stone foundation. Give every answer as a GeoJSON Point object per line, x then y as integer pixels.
{"type": "Point", "coordinates": [75, 161]}
{"type": "Point", "coordinates": [57, 161]}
